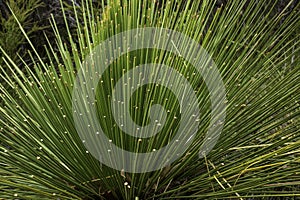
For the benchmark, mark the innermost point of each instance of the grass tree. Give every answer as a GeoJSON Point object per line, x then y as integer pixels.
{"type": "Point", "coordinates": [256, 52]}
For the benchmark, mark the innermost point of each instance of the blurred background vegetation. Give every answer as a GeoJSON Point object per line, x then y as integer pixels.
{"type": "Point", "coordinates": [34, 16]}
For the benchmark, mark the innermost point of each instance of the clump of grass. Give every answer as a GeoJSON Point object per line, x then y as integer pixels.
{"type": "Point", "coordinates": [42, 156]}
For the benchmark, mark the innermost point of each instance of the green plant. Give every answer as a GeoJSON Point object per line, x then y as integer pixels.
{"type": "Point", "coordinates": [257, 155]}
{"type": "Point", "coordinates": [11, 39]}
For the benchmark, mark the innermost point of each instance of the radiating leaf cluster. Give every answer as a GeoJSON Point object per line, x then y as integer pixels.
{"type": "Point", "coordinates": [257, 155]}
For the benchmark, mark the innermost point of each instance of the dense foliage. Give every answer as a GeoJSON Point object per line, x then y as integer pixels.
{"type": "Point", "coordinates": [256, 49]}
